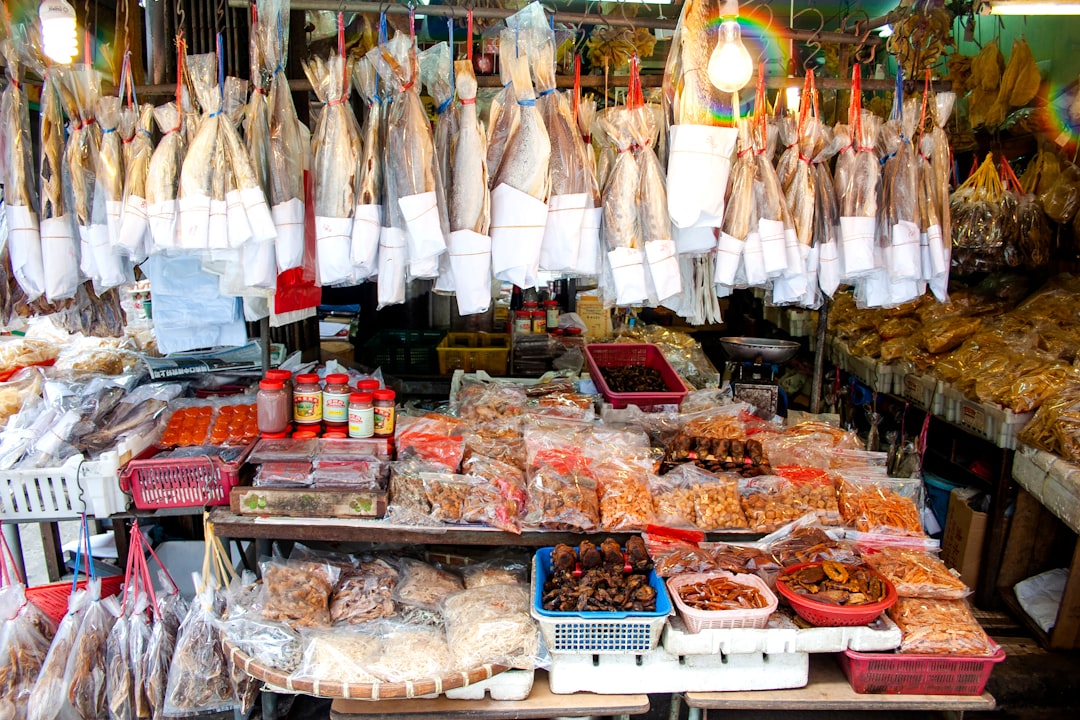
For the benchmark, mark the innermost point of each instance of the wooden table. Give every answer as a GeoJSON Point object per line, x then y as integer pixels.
{"type": "Point", "coordinates": [541, 703]}
{"type": "Point", "coordinates": [828, 689]}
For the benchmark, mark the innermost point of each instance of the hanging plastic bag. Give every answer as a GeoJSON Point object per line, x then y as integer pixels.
{"type": "Point", "coordinates": [25, 635]}
{"type": "Point", "coordinates": [84, 676]}
{"type": "Point", "coordinates": [20, 193]}
{"type": "Point", "coordinates": [134, 237]}
{"type": "Point", "coordinates": [827, 211]}
{"type": "Point", "coordinates": [368, 214]}
{"type": "Point", "coordinates": [59, 247]}
{"type": "Point", "coordinates": [898, 223]}
{"type": "Point", "coordinates": [49, 697]}
{"type": "Point", "coordinates": [503, 114]}
{"type": "Point", "coordinates": [163, 176]}
{"type": "Point", "coordinates": [858, 190]}
{"type": "Point", "coordinates": [621, 230]}
{"type": "Point", "coordinates": [739, 218]}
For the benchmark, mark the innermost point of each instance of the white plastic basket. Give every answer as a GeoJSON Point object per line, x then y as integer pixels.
{"type": "Point", "coordinates": [698, 620]}
{"type": "Point", "coordinates": [67, 491]}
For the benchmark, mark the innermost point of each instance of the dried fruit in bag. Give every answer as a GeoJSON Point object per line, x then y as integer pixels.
{"type": "Point", "coordinates": [624, 495]}
{"type": "Point", "coordinates": [940, 627]}
{"type": "Point", "coordinates": [916, 573]}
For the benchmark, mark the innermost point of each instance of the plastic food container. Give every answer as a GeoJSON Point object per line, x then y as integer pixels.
{"type": "Point", "coordinates": [899, 674]}
{"type": "Point", "coordinates": [698, 620]}
{"type": "Point", "coordinates": [605, 355]}
{"type": "Point", "coordinates": [825, 614]}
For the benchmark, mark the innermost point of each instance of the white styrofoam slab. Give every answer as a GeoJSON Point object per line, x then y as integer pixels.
{"type": "Point", "coordinates": [1053, 481]}
{"type": "Point", "coordinates": [661, 672]}
{"type": "Point", "coordinates": [509, 685]}
{"type": "Point", "coordinates": [881, 635]}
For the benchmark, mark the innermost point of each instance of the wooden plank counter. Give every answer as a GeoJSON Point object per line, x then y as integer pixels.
{"type": "Point", "coordinates": [541, 703]}
{"type": "Point", "coordinates": [828, 689]}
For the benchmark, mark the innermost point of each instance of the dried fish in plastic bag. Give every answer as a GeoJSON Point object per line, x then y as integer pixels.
{"type": "Point", "coordinates": [898, 221]}
{"type": "Point", "coordinates": [857, 185]}
{"type": "Point", "coordinates": [740, 221]}
{"type": "Point", "coordinates": [621, 229]}
{"type": "Point", "coordinates": [827, 210]}
{"type": "Point", "coordinates": [436, 75]}
{"type": "Point", "coordinates": [368, 213]}
{"type": "Point", "coordinates": [24, 643]}
{"type": "Point", "coordinates": [80, 89]}
{"type": "Point", "coordinates": [941, 165]}
{"type": "Point", "coordinates": [198, 676]}
{"type": "Point", "coordinates": [134, 238]}
{"type": "Point", "coordinates": [111, 268]}
{"type": "Point", "coordinates": [59, 248]}
{"type": "Point", "coordinates": [503, 113]}
{"type": "Point", "coordinates": [20, 194]}
{"type": "Point", "coordinates": [48, 699]}
{"type": "Point", "coordinates": [84, 676]}
{"type": "Point", "coordinates": [163, 176]}
{"type": "Point", "coordinates": [664, 277]}
{"type": "Point", "coordinates": [259, 259]}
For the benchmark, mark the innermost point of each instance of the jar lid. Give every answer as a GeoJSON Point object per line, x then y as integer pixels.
{"type": "Point", "coordinates": [335, 435]}
{"type": "Point", "coordinates": [573, 330]}
{"type": "Point", "coordinates": [360, 398]}
{"type": "Point", "coordinates": [304, 435]}
{"type": "Point", "coordinates": [539, 313]}
{"type": "Point", "coordinates": [307, 378]}
{"type": "Point", "coordinates": [279, 375]}
{"type": "Point", "coordinates": [371, 384]}
{"type": "Point", "coordinates": [524, 313]}
{"type": "Point", "coordinates": [551, 303]}
{"type": "Point", "coordinates": [275, 436]}
{"type": "Point", "coordinates": [337, 379]}
{"type": "Point", "coordinates": [384, 394]}
{"type": "Point", "coordinates": [530, 303]}
{"type": "Point", "coordinates": [270, 385]}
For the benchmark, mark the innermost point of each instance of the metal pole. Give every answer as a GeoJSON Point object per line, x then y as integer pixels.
{"type": "Point", "coordinates": [264, 335]}
{"type": "Point", "coordinates": [11, 534]}
{"type": "Point", "coordinates": [819, 357]}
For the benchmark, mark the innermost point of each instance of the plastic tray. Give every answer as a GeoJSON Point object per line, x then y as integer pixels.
{"type": "Point", "coordinates": [52, 599]}
{"type": "Point", "coordinates": [68, 490]}
{"type": "Point", "coordinates": [470, 352]}
{"type": "Point", "coordinates": [407, 352]}
{"type": "Point", "coordinates": [698, 620]}
{"type": "Point", "coordinates": [895, 674]}
{"type": "Point", "coordinates": [600, 356]}
{"type": "Point", "coordinates": [781, 637]}
{"type": "Point", "coordinates": [182, 482]}
{"type": "Point", "coordinates": [597, 632]}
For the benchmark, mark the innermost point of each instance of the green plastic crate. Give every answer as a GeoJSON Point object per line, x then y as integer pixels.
{"type": "Point", "coordinates": [403, 352]}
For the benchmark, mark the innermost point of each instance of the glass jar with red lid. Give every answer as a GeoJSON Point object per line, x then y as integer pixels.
{"type": "Point", "coordinates": [307, 400]}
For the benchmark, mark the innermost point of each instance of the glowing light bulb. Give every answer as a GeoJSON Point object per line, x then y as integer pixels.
{"type": "Point", "coordinates": [792, 97]}
{"type": "Point", "coordinates": [730, 65]}
{"type": "Point", "coordinates": [58, 36]}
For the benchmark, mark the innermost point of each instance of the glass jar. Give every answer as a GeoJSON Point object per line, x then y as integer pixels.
{"type": "Point", "coordinates": [361, 415]}
{"type": "Point", "coordinates": [368, 386]}
{"type": "Point", "coordinates": [384, 413]}
{"type": "Point", "coordinates": [539, 322]}
{"type": "Point", "coordinates": [551, 309]}
{"type": "Point", "coordinates": [272, 407]}
{"type": "Point", "coordinates": [307, 400]}
{"type": "Point", "coordinates": [335, 402]}
{"type": "Point", "coordinates": [522, 322]}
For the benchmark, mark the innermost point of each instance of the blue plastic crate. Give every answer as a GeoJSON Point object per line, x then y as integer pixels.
{"type": "Point", "coordinates": [597, 632]}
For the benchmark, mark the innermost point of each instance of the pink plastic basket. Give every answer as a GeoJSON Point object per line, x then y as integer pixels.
{"type": "Point", "coordinates": [698, 620]}
{"type": "Point", "coordinates": [182, 482]}
{"type": "Point", "coordinates": [896, 674]}
{"type": "Point", "coordinates": [600, 356]}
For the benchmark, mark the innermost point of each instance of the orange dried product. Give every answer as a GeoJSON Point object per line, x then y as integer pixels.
{"type": "Point", "coordinates": [875, 507]}
{"type": "Point", "coordinates": [917, 574]}
{"type": "Point", "coordinates": [721, 593]}
{"type": "Point", "coordinates": [940, 627]}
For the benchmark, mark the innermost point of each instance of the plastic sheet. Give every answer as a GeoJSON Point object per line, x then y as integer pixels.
{"type": "Point", "coordinates": [199, 674]}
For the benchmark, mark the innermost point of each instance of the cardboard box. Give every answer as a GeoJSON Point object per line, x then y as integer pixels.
{"type": "Point", "coordinates": [596, 317]}
{"type": "Point", "coordinates": [962, 542]}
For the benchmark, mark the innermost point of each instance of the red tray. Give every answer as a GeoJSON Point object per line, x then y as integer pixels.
{"type": "Point", "coordinates": [605, 355]}
{"type": "Point", "coordinates": [897, 674]}
{"type": "Point", "coordinates": [182, 482]}
{"type": "Point", "coordinates": [52, 599]}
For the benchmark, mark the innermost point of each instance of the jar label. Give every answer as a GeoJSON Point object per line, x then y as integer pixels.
{"type": "Point", "coordinates": [361, 422]}
{"type": "Point", "coordinates": [335, 407]}
{"type": "Point", "coordinates": [384, 420]}
{"type": "Point", "coordinates": [307, 407]}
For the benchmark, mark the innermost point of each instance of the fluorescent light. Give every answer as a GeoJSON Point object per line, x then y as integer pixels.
{"type": "Point", "coordinates": [58, 37]}
{"type": "Point", "coordinates": [885, 31]}
{"type": "Point", "coordinates": [1032, 7]}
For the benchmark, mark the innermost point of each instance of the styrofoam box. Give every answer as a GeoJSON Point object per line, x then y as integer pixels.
{"type": "Point", "coordinates": [1054, 482]}
{"type": "Point", "coordinates": [509, 685]}
{"type": "Point", "coordinates": [659, 671]}
{"type": "Point", "coordinates": [879, 636]}
{"type": "Point", "coordinates": [922, 390]}
{"type": "Point", "coordinates": [68, 490]}
{"type": "Point", "coordinates": [990, 421]}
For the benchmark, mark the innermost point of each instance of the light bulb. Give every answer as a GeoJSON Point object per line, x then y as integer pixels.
{"type": "Point", "coordinates": [730, 65]}
{"type": "Point", "coordinates": [792, 97]}
{"type": "Point", "coordinates": [58, 37]}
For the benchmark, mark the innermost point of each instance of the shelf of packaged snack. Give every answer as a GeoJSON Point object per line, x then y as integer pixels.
{"type": "Point", "coordinates": [541, 703]}
{"type": "Point", "coordinates": [828, 689]}
{"type": "Point", "coordinates": [228, 524]}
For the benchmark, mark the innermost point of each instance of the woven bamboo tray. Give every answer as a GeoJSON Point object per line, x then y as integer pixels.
{"type": "Point", "coordinates": [360, 691]}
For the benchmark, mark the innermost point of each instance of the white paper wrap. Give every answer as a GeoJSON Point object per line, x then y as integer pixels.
{"type": "Point", "coordinates": [24, 242]}
{"type": "Point", "coordinates": [939, 264]}
{"type": "Point", "coordinates": [425, 236]}
{"type": "Point", "coordinates": [163, 225]}
{"type": "Point", "coordinates": [393, 257]}
{"type": "Point", "coordinates": [259, 261]}
{"type": "Point", "coordinates": [332, 237]}
{"type": "Point", "coordinates": [754, 261]}
{"type": "Point", "coordinates": [87, 266]}
{"type": "Point", "coordinates": [470, 260]}
{"type": "Point", "coordinates": [663, 268]}
{"type": "Point", "coordinates": [134, 238]}
{"type": "Point", "coordinates": [259, 216]}
{"type": "Point", "coordinates": [445, 282]}
{"type": "Point", "coordinates": [114, 211]}
{"type": "Point", "coordinates": [904, 256]}
{"type": "Point", "coordinates": [694, 240]}
{"type": "Point", "coordinates": [517, 233]}
{"type": "Point", "coordinates": [217, 237]}
{"type": "Point", "coordinates": [773, 247]}
{"type": "Point", "coordinates": [194, 222]}
{"type": "Point", "coordinates": [289, 224]}
{"type": "Point", "coordinates": [699, 162]}
{"type": "Point", "coordinates": [239, 227]}
{"type": "Point", "coordinates": [858, 235]}
{"type": "Point", "coordinates": [111, 268]}
{"type": "Point", "coordinates": [829, 268]}
{"type": "Point", "coordinates": [729, 253]}
{"type": "Point", "coordinates": [424, 268]}
{"type": "Point", "coordinates": [562, 233]}
{"type": "Point", "coordinates": [628, 274]}
{"type": "Point", "coordinates": [367, 224]}
{"type": "Point", "coordinates": [588, 260]}
{"type": "Point", "coordinates": [60, 258]}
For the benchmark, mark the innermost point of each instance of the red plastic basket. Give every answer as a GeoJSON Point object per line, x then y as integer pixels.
{"type": "Point", "coordinates": [52, 599]}
{"type": "Point", "coordinates": [825, 614]}
{"type": "Point", "coordinates": [896, 674]}
{"type": "Point", "coordinates": [182, 482]}
{"type": "Point", "coordinates": [600, 356]}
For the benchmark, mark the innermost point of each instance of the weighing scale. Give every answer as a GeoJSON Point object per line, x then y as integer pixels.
{"type": "Point", "coordinates": [754, 367]}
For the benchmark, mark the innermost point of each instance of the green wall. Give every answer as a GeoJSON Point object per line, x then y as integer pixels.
{"type": "Point", "coordinates": [1054, 40]}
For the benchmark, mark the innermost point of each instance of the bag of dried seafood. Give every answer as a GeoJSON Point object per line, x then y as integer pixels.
{"type": "Point", "coordinates": [48, 699]}
{"type": "Point", "coordinates": [739, 221]}
{"type": "Point", "coordinates": [163, 176]}
{"type": "Point", "coordinates": [198, 676]}
{"type": "Point", "coordinates": [24, 643]}
{"type": "Point", "coordinates": [857, 185]}
{"type": "Point", "coordinates": [621, 230]}
{"type": "Point", "coordinates": [134, 238]}
{"type": "Point", "coordinates": [664, 276]}
{"type": "Point", "coordinates": [59, 248]}
{"type": "Point", "coordinates": [827, 210]}
{"type": "Point", "coordinates": [368, 213]}
{"type": "Point", "coordinates": [84, 677]}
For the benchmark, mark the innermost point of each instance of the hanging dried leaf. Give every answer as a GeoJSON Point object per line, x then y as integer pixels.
{"type": "Point", "coordinates": [959, 67]}
{"type": "Point", "coordinates": [613, 47]}
{"type": "Point", "coordinates": [988, 67]}
{"type": "Point", "coordinates": [1021, 81]}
